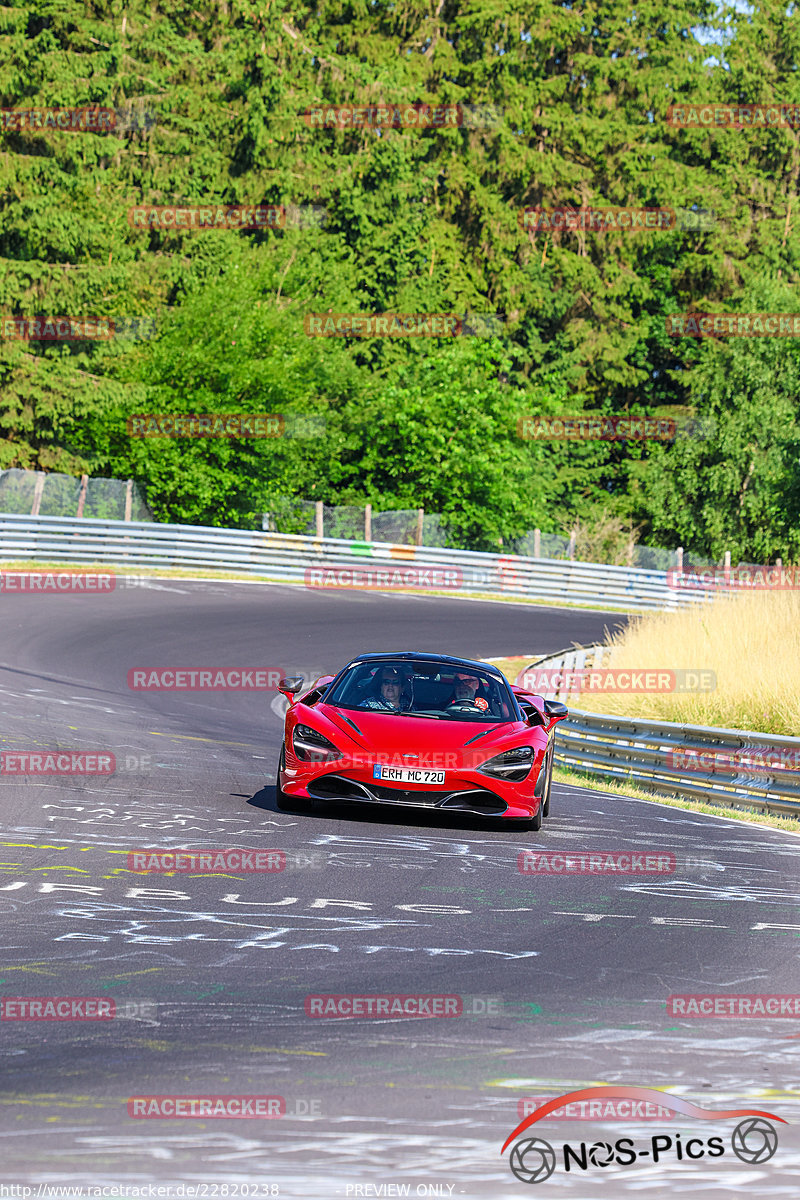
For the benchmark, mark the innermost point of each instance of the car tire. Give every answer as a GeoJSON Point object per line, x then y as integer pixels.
{"type": "Point", "coordinates": [284, 802]}
{"type": "Point", "coordinates": [548, 787]}
{"type": "Point", "coordinates": [541, 794]}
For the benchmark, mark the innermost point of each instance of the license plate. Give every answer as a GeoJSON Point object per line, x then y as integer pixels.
{"type": "Point", "coordinates": [408, 775]}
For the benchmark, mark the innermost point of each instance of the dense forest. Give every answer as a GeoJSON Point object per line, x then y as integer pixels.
{"type": "Point", "coordinates": [548, 106]}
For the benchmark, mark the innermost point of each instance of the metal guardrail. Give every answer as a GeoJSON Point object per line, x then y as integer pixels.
{"type": "Point", "coordinates": [696, 761]}
{"type": "Point", "coordinates": [640, 751]}
{"type": "Point", "coordinates": [565, 663]}
{"type": "Point", "coordinates": [334, 562]}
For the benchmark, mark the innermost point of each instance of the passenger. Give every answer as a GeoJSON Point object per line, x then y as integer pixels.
{"type": "Point", "coordinates": [390, 694]}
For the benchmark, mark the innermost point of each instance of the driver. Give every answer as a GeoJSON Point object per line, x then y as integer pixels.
{"type": "Point", "coordinates": [390, 691]}
{"type": "Point", "coordinates": [465, 689]}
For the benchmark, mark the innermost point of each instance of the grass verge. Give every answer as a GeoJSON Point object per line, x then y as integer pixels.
{"type": "Point", "coordinates": [751, 643]}
{"type": "Point", "coordinates": [512, 666]}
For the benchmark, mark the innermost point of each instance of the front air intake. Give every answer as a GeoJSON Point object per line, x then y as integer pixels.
{"type": "Point", "coordinates": [484, 804]}
{"type": "Point", "coordinates": [337, 787]}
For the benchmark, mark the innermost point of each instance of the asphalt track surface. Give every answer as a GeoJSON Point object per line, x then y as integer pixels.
{"type": "Point", "coordinates": [563, 979]}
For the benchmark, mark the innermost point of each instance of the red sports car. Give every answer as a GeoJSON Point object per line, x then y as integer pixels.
{"type": "Point", "coordinates": [425, 730]}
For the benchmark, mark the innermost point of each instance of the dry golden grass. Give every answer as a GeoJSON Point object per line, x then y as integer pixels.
{"type": "Point", "coordinates": [751, 641]}
{"type": "Point", "coordinates": [512, 666]}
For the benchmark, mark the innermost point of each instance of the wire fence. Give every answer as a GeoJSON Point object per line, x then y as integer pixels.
{"type": "Point", "coordinates": [357, 522]}
{"type": "Point", "coordinates": [332, 562]}
{"type": "Point", "coordinates": [51, 494]}
{"type": "Point", "coordinates": [610, 545]}
{"type": "Point", "coordinates": [633, 554]}
{"type": "Point", "coordinates": [38, 493]}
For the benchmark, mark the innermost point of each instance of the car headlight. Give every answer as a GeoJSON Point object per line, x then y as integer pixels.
{"type": "Point", "coordinates": [310, 746]}
{"type": "Point", "coordinates": [513, 765]}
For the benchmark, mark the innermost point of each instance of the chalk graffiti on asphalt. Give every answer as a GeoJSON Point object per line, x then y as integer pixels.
{"type": "Point", "coordinates": [152, 920]}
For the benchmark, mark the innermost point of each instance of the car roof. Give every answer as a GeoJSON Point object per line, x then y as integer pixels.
{"type": "Point", "coordinates": [425, 656]}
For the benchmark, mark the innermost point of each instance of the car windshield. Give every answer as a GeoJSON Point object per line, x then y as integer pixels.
{"type": "Point", "coordinates": [438, 690]}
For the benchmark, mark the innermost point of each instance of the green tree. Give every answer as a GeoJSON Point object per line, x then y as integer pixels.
{"type": "Point", "coordinates": [734, 482]}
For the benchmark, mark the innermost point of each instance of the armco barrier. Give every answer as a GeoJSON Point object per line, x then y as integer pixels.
{"type": "Point", "coordinates": [639, 751]}
{"type": "Point", "coordinates": [128, 545]}
{"type": "Point", "coordinates": [578, 658]}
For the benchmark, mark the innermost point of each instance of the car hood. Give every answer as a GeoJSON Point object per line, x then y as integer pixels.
{"type": "Point", "coordinates": [382, 732]}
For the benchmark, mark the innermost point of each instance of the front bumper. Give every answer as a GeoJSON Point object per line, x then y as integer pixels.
{"type": "Point", "coordinates": [477, 800]}
{"type": "Point", "coordinates": [465, 793]}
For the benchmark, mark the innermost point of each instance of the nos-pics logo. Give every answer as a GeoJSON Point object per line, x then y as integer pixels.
{"type": "Point", "coordinates": [533, 1160]}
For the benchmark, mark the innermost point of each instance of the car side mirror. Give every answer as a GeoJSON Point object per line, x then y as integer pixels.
{"type": "Point", "coordinates": [556, 711]}
{"type": "Point", "coordinates": [290, 686]}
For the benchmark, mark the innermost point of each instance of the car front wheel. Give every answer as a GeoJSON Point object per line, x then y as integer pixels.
{"type": "Point", "coordinates": [541, 793]}
{"type": "Point", "coordinates": [282, 800]}
{"type": "Point", "coordinates": [285, 802]}
{"type": "Point", "coordinates": [548, 787]}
